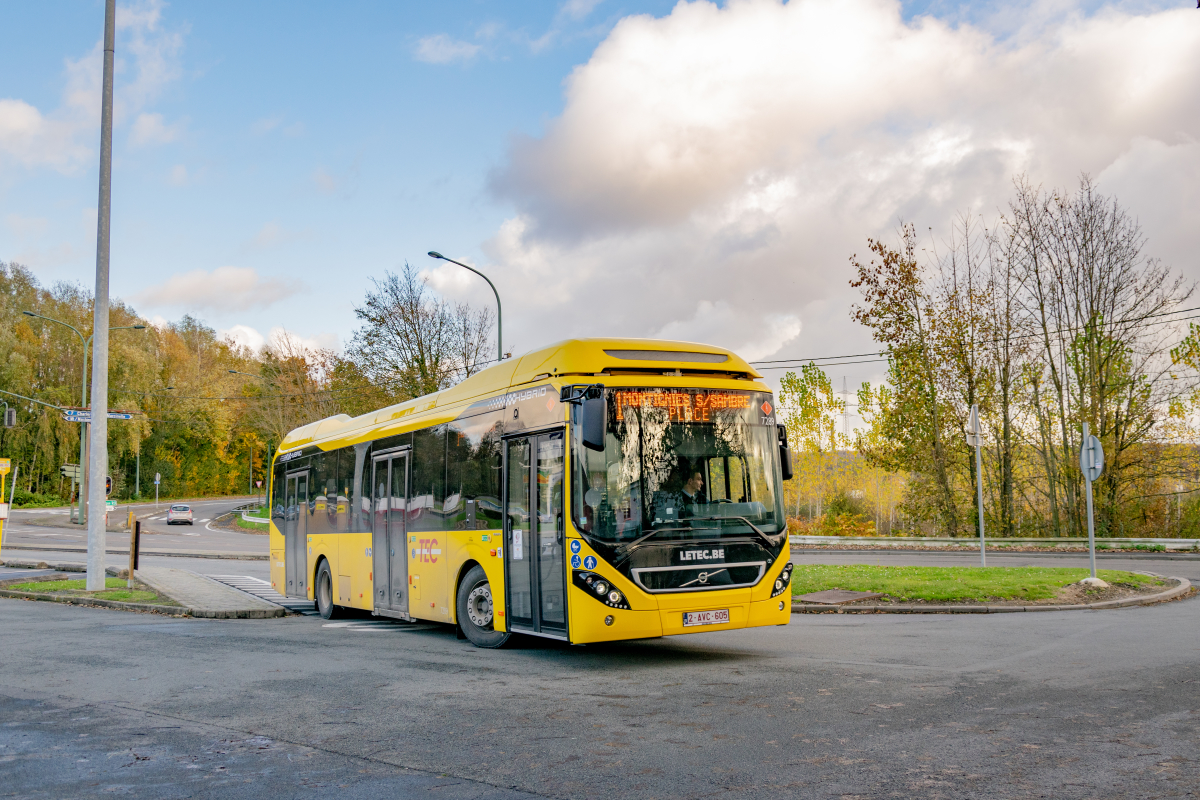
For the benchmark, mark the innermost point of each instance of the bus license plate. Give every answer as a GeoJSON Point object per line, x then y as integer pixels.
{"type": "Point", "coordinates": [718, 617]}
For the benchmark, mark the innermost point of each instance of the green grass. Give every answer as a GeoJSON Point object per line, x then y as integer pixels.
{"type": "Point", "coordinates": [952, 583]}
{"type": "Point", "coordinates": [114, 589]}
{"type": "Point", "coordinates": [257, 527]}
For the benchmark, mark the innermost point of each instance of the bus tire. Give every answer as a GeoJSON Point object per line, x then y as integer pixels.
{"type": "Point", "coordinates": [476, 612]}
{"type": "Point", "coordinates": [324, 592]}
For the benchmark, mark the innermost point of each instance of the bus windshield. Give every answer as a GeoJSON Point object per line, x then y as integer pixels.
{"type": "Point", "coordinates": [691, 463]}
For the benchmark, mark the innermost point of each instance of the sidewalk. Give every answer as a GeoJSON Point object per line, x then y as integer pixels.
{"type": "Point", "coordinates": [198, 595]}
{"type": "Point", "coordinates": [204, 597]}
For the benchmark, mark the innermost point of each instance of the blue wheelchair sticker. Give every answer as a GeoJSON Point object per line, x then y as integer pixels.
{"type": "Point", "coordinates": [575, 562]}
{"type": "Point", "coordinates": [590, 562]}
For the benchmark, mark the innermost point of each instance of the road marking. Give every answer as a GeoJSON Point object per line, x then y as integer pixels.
{"type": "Point", "coordinates": [206, 519]}
{"type": "Point", "coordinates": [264, 591]}
{"type": "Point", "coordinates": [380, 625]}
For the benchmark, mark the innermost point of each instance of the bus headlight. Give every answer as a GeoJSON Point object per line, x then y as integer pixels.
{"type": "Point", "coordinates": [599, 588]}
{"type": "Point", "coordinates": [783, 581]}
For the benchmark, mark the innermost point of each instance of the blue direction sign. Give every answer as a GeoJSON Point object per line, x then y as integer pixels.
{"type": "Point", "coordinates": [84, 415]}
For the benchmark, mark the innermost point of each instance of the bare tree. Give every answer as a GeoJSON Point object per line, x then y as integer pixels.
{"type": "Point", "coordinates": [414, 342]}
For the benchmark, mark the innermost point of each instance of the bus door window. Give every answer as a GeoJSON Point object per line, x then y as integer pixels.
{"type": "Point", "coordinates": [551, 553]}
{"type": "Point", "coordinates": [517, 521]}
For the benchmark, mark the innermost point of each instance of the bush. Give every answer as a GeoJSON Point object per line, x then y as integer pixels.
{"type": "Point", "coordinates": [24, 499]}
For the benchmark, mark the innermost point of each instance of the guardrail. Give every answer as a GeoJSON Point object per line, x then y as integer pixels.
{"type": "Point", "coordinates": [259, 520]}
{"type": "Point", "coordinates": [1000, 544]}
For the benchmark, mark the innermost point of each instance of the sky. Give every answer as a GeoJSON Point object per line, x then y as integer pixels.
{"type": "Point", "coordinates": [698, 171]}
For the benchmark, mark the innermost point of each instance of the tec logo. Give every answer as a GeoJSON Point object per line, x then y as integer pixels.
{"type": "Point", "coordinates": [427, 551]}
{"type": "Point", "coordinates": [575, 562]}
{"type": "Point", "coordinates": [589, 562]}
{"type": "Point", "coordinates": [575, 545]}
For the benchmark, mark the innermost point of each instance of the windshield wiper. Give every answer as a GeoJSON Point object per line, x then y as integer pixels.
{"type": "Point", "coordinates": [624, 550]}
{"type": "Point", "coordinates": [765, 537]}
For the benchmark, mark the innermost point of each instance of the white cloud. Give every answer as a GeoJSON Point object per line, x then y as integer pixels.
{"type": "Point", "coordinates": [150, 129]}
{"type": "Point", "coordinates": [223, 289]}
{"type": "Point", "coordinates": [713, 170]}
{"type": "Point", "coordinates": [320, 341]}
{"type": "Point", "coordinates": [441, 49]}
{"type": "Point", "coordinates": [63, 138]}
{"type": "Point", "coordinates": [244, 336]}
{"type": "Point", "coordinates": [578, 9]}
{"type": "Point", "coordinates": [718, 323]}
{"type": "Point", "coordinates": [326, 183]}
{"type": "Point", "coordinates": [272, 234]}
{"type": "Point", "coordinates": [178, 175]}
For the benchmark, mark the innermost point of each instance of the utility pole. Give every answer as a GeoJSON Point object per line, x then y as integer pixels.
{"type": "Point", "coordinates": [98, 424]}
{"type": "Point", "coordinates": [1091, 463]}
{"type": "Point", "coordinates": [975, 437]}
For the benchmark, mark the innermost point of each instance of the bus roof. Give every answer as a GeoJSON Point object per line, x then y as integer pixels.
{"type": "Point", "coordinates": [583, 358]}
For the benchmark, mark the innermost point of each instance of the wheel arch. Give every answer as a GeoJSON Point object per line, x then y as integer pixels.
{"type": "Point", "coordinates": [463, 569]}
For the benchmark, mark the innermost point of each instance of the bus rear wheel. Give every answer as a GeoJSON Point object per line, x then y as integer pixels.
{"type": "Point", "coordinates": [476, 612]}
{"type": "Point", "coordinates": [324, 592]}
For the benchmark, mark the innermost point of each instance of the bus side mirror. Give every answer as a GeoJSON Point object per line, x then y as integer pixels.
{"type": "Point", "coordinates": [785, 454]}
{"type": "Point", "coordinates": [593, 416]}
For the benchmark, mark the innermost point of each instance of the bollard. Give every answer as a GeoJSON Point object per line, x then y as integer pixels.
{"type": "Point", "coordinates": [135, 531]}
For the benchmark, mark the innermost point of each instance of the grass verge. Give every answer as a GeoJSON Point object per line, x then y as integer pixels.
{"type": "Point", "coordinates": [950, 584]}
{"type": "Point", "coordinates": [114, 589]}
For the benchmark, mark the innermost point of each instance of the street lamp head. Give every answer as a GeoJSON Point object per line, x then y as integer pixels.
{"type": "Point", "coordinates": [138, 327]}
{"type": "Point", "coordinates": [29, 313]}
{"type": "Point", "coordinates": [432, 254]}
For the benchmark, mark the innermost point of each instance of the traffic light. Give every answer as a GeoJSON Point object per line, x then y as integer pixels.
{"type": "Point", "coordinates": [107, 485]}
{"type": "Point", "coordinates": [10, 418]}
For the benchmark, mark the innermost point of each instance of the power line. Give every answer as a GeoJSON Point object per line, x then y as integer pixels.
{"type": "Point", "coordinates": [791, 363]}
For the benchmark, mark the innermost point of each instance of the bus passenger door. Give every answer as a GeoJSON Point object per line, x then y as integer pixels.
{"type": "Point", "coordinates": [295, 535]}
{"type": "Point", "coordinates": [389, 550]}
{"type": "Point", "coordinates": [535, 552]}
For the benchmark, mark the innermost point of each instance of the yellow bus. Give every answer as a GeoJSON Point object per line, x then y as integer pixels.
{"type": "Point", "coordinates": [594, 490]}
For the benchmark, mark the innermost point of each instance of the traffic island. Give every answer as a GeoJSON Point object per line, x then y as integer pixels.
{"type": "Point", "coordinates": [65, 587]}
{"type": "Point", "coordinates": [174, 592]}
{"type": "Point", "coordinates": [818, 589]}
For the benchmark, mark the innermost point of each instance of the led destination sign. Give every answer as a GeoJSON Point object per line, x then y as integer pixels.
{"type": "Point", "coordinates": [683, 406]}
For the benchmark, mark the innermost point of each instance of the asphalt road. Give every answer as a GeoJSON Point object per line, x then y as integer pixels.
{"type": "Point", "coordinates": [1058, 705]}
{"type": "Point", "coordinates": [51, 528]}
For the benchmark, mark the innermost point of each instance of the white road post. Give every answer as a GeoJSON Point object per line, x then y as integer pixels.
{"type": "Point", "coordinates": [975, 437]}
{"type": "Point", "coordinates": [1091, 463]}
{"type": "Point", "coordinates": [98, 427]}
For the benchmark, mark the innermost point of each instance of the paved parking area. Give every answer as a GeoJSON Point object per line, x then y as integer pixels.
{"type": "Point", "coordinates": [1060, 704]}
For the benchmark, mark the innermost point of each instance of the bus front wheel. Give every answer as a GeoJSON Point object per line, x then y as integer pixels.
{"type": "Point", "coordinates": [476, 612]}
{"type": "Point", "coordinates": [324, 592]}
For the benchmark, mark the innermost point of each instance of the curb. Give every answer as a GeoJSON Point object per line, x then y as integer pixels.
{"type": "Point", "coordinates": [170, 611]}
{"type": "Point", "coordinates": [125, 552]}
{"type": "Point", "coordinates": [1184, 586]}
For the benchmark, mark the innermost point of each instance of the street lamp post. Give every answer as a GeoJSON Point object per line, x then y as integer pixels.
{"type": "Point", "coordinates": [499, 327]}
{"type": "Point", "coordinates": [81, 516]}
{"type": "Point", "coordinates": [268, 461]}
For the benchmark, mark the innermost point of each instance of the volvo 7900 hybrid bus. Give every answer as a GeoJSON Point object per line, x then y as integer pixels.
{"type": "Point", "coordinates": [594, 490]}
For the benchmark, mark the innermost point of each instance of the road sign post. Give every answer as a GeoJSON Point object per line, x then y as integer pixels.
{"type": "Point", "coordinates": [5, 468]}
{"type": "Point", "coordinates": [157, 479]}
{"type": "Point", "coordinates": [1091, 463]}
{"type": "Point", "coordinates": [975, 437]}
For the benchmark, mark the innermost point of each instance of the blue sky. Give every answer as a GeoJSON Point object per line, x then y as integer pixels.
{"type": "Point", "coordinates": [698, 171]}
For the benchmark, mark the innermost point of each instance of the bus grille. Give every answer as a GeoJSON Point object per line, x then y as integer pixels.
{"type": "Point", "coordinates": [659, 580]}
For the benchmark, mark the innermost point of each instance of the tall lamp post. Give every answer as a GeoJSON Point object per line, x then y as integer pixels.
{"type": "Point", "coordinates": [269, 454]}
{"type": "Point", "coordinates": [87, 346]}
{"type": "Point", "coordinates": [499, 327]}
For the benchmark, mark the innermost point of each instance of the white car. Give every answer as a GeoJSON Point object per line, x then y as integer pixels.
{"type": "Point", "coordinates": [179, 513]}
